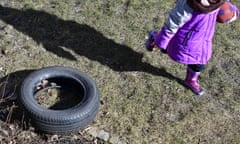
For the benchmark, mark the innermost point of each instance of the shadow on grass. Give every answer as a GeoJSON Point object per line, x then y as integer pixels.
{"type": "Point", "coordinates": [10, 109]}
{"type": "Point", "coordinates": [60, 36]}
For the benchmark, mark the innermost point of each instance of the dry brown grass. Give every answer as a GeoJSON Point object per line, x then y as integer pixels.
{"type": "Point", "coordinates": [142, 99]}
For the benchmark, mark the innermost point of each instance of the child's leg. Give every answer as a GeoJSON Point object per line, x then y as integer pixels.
{"type": "Point", "coordinates": [191, 80]}
{"type": "Point", "coordinates": [197, 67]}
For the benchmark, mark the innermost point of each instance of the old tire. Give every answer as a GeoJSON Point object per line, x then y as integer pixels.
{"type": "Point", "coordinates": [66, 120]}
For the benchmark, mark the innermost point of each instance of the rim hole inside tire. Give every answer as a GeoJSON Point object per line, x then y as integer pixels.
{"type": "Point", "coordinates": [59, 93]}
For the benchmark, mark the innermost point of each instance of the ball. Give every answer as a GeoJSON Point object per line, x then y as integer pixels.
{"type": "Point", "coordinates": [226, 13]}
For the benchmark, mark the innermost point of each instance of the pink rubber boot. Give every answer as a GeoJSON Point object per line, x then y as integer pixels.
{"type": "Point", "coordinates": [191, 81]}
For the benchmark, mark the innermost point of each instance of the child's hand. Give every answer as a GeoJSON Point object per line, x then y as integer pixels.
{"type": "Point", "coordinates": [150, 43]}
{"type": "Point", "coordinates": [151, 46]}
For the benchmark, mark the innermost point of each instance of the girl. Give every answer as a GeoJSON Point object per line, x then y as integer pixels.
{"type": "Point", "coordinates": [187, 34]}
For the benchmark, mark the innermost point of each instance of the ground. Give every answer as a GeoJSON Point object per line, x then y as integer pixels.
{"type": "Point", "coordinates": [141, 95]}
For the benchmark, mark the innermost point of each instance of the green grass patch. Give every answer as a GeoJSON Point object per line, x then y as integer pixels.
{"type": "Point", "coordinates": [142, 99]}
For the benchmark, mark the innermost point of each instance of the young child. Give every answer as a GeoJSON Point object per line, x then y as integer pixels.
{"type": "Point", "coordinates": [187, 34]}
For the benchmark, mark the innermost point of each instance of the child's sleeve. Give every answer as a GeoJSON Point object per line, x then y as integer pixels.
{"type": "Point", "coordinates": [178, 16]}
{"type": "Point", "coordinates": [236, 13]}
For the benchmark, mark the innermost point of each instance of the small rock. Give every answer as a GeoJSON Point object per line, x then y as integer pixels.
{"type": "Point", "coordinates": [103, 135]}
{"type": "Point", "coordinates": [114, 140]}
{"type": "Point", "coordinates": [1, 68]}
{"type": "Point", "coordinates": [93, 131]}
{"type": "Point", "coordinates": [4, 52]}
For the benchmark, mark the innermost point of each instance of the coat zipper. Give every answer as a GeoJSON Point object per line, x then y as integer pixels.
{"type": "Point", "coordinates": [187, 37]}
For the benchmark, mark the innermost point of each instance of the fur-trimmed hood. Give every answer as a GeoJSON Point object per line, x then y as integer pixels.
{"type": "Point", "coordinates": [205, 6]}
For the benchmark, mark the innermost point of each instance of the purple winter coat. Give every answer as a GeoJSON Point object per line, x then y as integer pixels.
{"type": "Point", "coordinates": [188, 34]}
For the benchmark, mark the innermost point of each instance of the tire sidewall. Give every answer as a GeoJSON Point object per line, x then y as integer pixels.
{"type": "Point", "coordinates": [81, 111]}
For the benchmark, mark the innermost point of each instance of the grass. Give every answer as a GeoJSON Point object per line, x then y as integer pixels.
{"type": "Point", "coordinates": [142, 100]}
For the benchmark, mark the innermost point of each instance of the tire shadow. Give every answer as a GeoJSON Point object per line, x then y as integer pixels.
{"type": "Point", "coordinates": [58, 36]}
{"type": "Point", "coordinates": [11, 110]}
